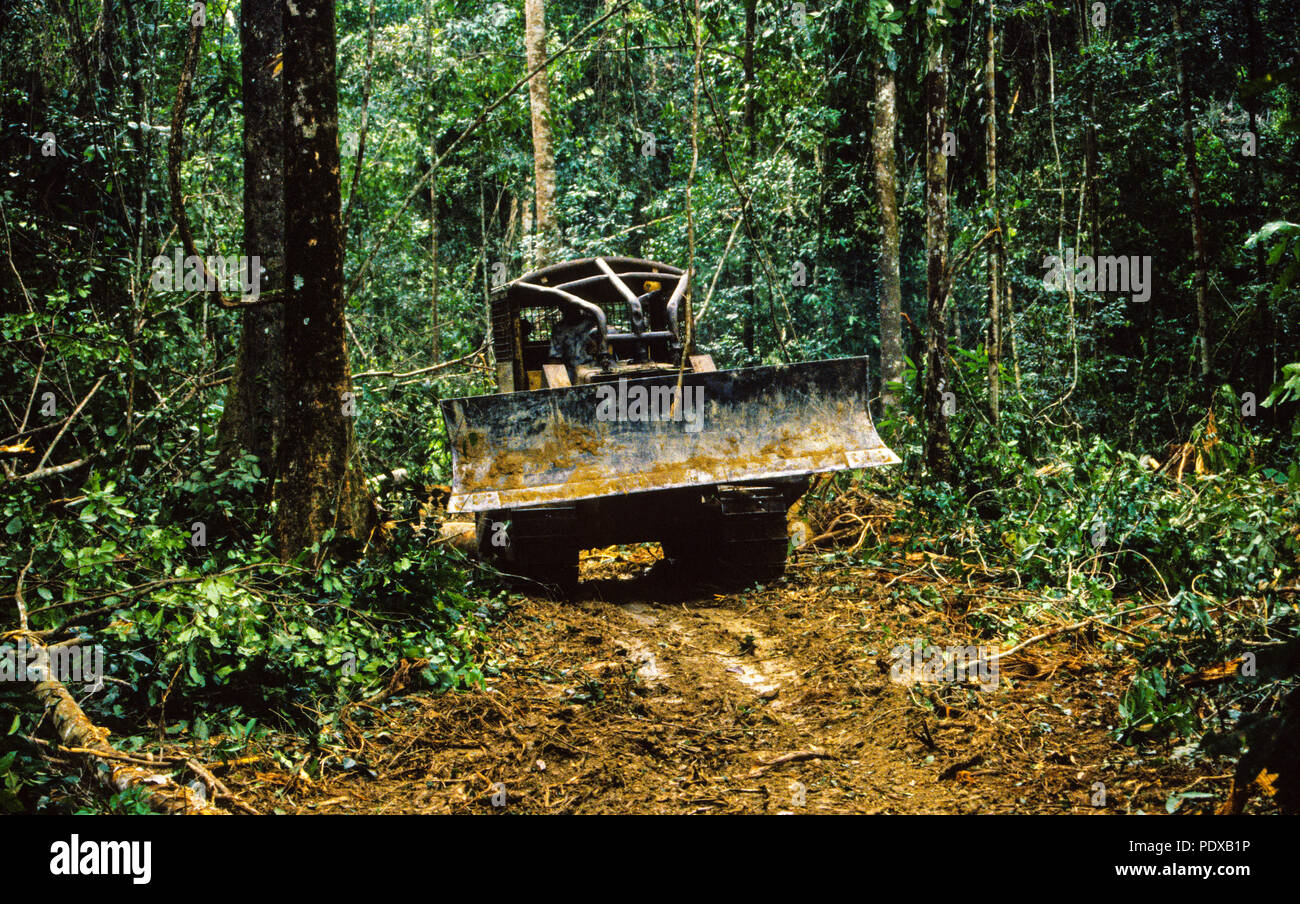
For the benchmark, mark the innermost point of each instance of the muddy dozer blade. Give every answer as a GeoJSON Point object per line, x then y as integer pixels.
{"type": "Point", "coordinates": [636, 435]}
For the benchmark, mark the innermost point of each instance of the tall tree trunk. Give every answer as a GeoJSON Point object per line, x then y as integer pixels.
{"type": "Point", "coordinates": [938, 443]}
{"type": "Point", "coordinates": [435, 317]}
{"type": "Point", "coordinates": [1011, 335]}
{"type": "Point", "coordinates": [1091, 165]}
{"type": "Point", "coordinates": [751, 140]}
{"type": "Point", "coordinates": [487, 276]}
{"type": "Point", "coordinates": [996, 248]}
{"type": "Point", "coordinates": [1091, 149]}
{"type": "Point", "coordinates": [253, 416]}
{"type": "Point", "coordinates": [546, 231]}
{"type": "Point", "coordinates": [1061, 223]}
{"type": "Point", "coordinates": [1194, 193]}
{"type": "Point", "coordinates": [434, 314]}
{"type": "Point", "coordinates": [320, 486]}
{"type": "Point", "coordinates": [884, 127]}
{"type": "Point", "coordinates": [1266, 370]}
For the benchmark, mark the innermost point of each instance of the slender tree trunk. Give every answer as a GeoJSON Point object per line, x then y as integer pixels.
{"type": "Point", "coordinates": [1011, 335]}
{"type": "Point", "coordinates": [1061, 222]}
{"type": "Point", "coordinates": [938, 443]}
{"type": "Point", "coordinates": [434, 315]}
{"type": "Point", "coordinates": [1091, 148]}
{"type": "Point", "coordinates": [995, 248]}
{"type": "Point", "coordinates": [526, 234]}
{"type": "Point", "coordinates": [884, 127]}
{"type": "Point", "coordinates": [1091, 164]}
{"type": "Point", "coordinates": [1194, 193]}
{"type": "Point", "coordinates": [320, 486]}
{"type": "Point", "coordinates": [1092, 200]}
{"type": "Point", "coordinates": [688, 317]}
{"type": "Point", "coordinates": [751, 139]}
{"type": "Point", "coordinates": [140, 140]}
{"type": "Point", "coordinates": [253, 416]}
{"type": "Point", "coordinates": [1267, 367]}
{"type": "Point", "coordinates": [539, 98]}
{"type": "Point", "coordinates": [487, 276]}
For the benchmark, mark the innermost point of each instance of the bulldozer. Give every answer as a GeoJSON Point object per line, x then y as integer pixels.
{"type": "Point", "coordinates": [609, 428]}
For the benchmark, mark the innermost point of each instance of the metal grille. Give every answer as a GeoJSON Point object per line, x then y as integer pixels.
{"type": "Point", "coordinates": [543, 321]}
{"type": "Point", "coordinates": [502, 329]}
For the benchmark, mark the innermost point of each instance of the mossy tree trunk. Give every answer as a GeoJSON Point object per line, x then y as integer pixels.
{"type": "Point", "coordinates": [938, 442]}
{"type": "Point", "coordinates": [253, 417]}
{"type": "Point", "coordinates": [884, 126]}
{"type": "Point", "coordinates": [546, 228]}
{"type": "Point", "coordinates": [320, 485]}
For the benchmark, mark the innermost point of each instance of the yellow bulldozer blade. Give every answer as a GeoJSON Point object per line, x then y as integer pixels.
{"type": "Point", "coordinates": [639, 435]}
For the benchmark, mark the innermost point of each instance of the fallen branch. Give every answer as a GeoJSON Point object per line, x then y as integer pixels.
{"type": "Point", "coordinates": [84, 739]}
{"type": "Point", "coordinates": [422, 370]}
{"type": "Point", "coordinates": [1075, 626]}
{"type": "Point", "coordinates": [130, 594]}
{"type": "Point", "coordinates": [217, 788]}
{"type": "Point", "coordinates": [123, 757]}
{"type": "Point", "coordinates": [51, 471]}
{"type": "Point", "coordinates": [797, 756]}
{"type": "Point", "coordinates": [18, 593]}
{"type": "Point", "coordinates": [67, 422]}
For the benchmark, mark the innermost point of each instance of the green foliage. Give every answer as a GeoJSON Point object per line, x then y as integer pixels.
{"type": "Point", "coordinates": [1151, 708]}
{"type": "Point", "coordinates": [232, 620]}
{"type": "Point", "coordinates": [1092, 526]}
{"type": "Point", "coordinates": [1287, 391]}
{"type": "Point", "coordinates": [131, 802]}
{"type": "Point", "coordinates": [1285, 237]}
{"type": "Point", "coordinates": [1091, 512]}
{"type": "Point", "coordinates": [10, 783]}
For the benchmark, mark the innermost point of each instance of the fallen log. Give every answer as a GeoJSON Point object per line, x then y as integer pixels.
{"type": "Point", "coordinates": [89, 742]}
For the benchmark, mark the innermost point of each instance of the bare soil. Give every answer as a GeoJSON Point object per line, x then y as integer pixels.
{"type": "Point", "coordinates": [645, 696]}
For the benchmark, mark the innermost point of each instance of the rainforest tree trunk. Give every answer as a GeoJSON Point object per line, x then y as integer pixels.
{"type": "Point", "coordinates": [1266, 368]}
{"type": "Point", "coordinates": [884, 127]}
{"type": "Point", "coordinates": [938, 443]}
{"type": "Point", "coordinates": [994, 344]}
{"type": "Point", "coordinates": [435, 318]}
{"type": "Point", "coordinates": [320, 486]}
{"type": "Point", "coordinates": [1194, 194]}
{"type": "Point", "coordinates": [546, 230]}
{"type": "Point", "coordinates": [751, 137]}
{"type": "Point", "coordinates": [253, 417]}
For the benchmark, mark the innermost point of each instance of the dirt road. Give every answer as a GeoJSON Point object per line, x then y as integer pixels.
{"type": "Point", "coordinates": [647, 697]}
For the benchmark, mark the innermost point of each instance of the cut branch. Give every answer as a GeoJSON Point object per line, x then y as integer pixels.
{"type": "Point", "coordinates": [82, 738]}
{"type": "Point", "coordinates": [67, 422]}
